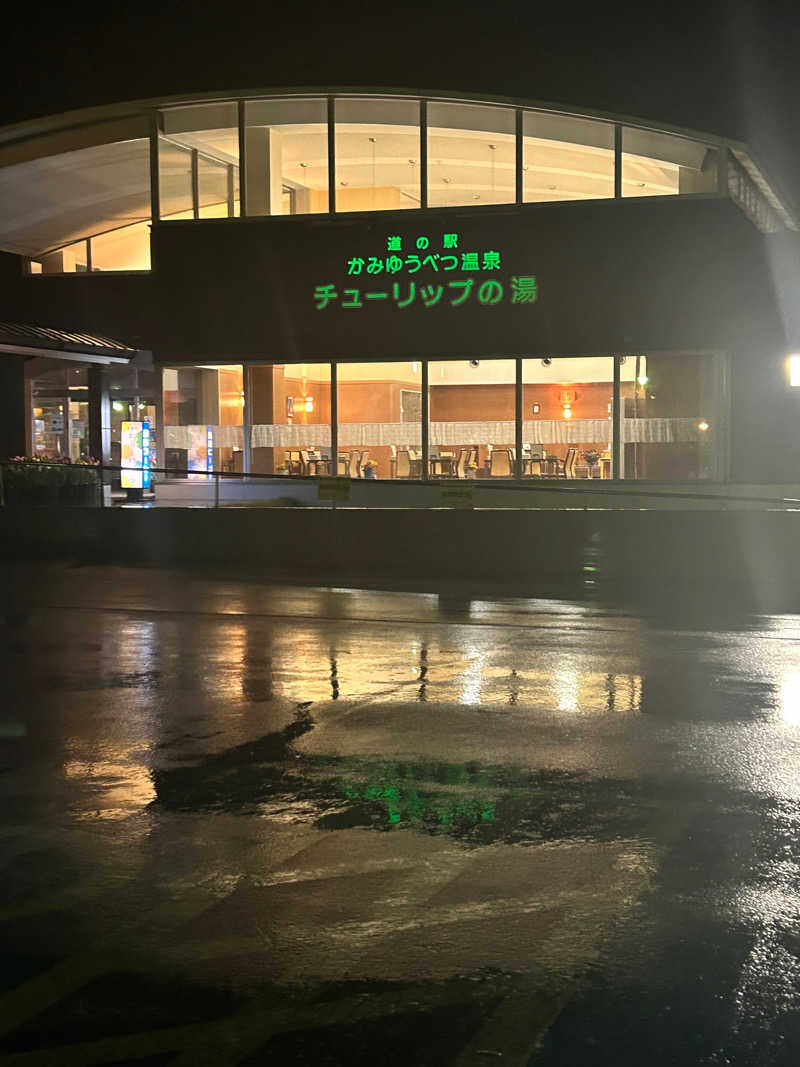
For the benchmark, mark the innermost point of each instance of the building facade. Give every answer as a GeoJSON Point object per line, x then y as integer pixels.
{"type": "Point", "coordinates": [397, 286]}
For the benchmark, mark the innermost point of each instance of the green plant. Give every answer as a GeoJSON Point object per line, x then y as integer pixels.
{"type": "Point", "coordinates": [38, 480]}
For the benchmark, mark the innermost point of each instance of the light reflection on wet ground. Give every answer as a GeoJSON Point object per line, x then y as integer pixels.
{"type": "Point", "coordinates": [250, 824]}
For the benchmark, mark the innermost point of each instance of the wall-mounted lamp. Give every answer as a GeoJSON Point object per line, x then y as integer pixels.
{"type": "Point", "coordinates": [537, 408]}
{"type": "Point", "coordinates": [702, 426]}
{"type": "Point", "coordinates": [567, 411]}
{"type": "Point", "coordinates": [309, 404]}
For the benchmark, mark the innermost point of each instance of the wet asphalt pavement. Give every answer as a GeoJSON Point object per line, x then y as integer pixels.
{"type": "Point", "coordinates": [252, 824]}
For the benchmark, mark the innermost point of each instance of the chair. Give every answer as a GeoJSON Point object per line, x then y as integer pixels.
{"type": "Point", "coordinates": [361, 462]}
{"type": "Point", "coordinates": [461, 463]}
{"type": "Point", "coordinates": [447, 464]}
{"type": "Point", "coordinates": [567, 468]}
{"type": "Point", "coordinates": [304, 462]}
{"type": "Point", "coordinates": [349, 464]}
{"type": "Point", "coordinates": [501, 464]}
{"type": "Point", "coordinates": [569, 462]}
{"type": "Point", "coordinates": [293, 462]}
{"type": "Point", "coordinates": [402, 468]}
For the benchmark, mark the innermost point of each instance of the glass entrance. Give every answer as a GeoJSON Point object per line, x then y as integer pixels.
{"type": "Point", "coordinates": [60, 415]}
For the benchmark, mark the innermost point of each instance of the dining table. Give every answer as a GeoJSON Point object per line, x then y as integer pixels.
{"type": "Point", "coordinates": [548, 466]}
{"type": "Point", "coordinates": [318, 465]}
{"type": "Point", "coordinates": [442, 466]}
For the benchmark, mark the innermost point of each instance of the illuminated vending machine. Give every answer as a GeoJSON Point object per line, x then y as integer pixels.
{"type": "Point", "coordinates": [135, 458]}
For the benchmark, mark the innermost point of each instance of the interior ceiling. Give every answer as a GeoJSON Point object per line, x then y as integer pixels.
{"type": "Point", "coordinates": [51, 201]}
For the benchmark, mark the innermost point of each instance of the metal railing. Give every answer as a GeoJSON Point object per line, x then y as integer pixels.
{"type": "Point", "coordinates": [26, 483]}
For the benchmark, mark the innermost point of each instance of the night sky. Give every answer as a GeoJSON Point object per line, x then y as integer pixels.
{"type": "Point", "coordinates": [729, 68]}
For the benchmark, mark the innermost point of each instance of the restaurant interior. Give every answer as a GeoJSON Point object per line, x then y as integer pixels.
{"type": "Point", "coordinates": [668, 410]}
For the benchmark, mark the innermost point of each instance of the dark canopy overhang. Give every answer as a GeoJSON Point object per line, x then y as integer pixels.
{"type": "Point", "coordinates": [26, 340]}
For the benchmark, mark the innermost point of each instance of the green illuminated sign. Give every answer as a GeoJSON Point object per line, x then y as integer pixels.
{"type": "Point", "coordinates": [450, 292]}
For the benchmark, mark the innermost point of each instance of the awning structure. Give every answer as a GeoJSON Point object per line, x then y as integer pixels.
{"type": "Point", "coordinates": [45, 341]}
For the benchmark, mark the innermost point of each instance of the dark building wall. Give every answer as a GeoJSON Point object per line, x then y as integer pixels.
{"type": "Point", "coordinates": [12, 406]}
{"type": "Point", "coordinates": [114, 305]}
{"type": "Point", "coordinates": [615, 276]}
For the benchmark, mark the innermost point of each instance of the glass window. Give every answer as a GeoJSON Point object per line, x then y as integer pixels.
{"type": "Point", "coordinates": [125, 249]}
{"type": "Point", "coordinates": [566, 158]}
{"type": "Point", "coordinates": [52, 202]}
{"type": "Point", "coordinates": [72, 259]}
{"type": "Point", "coordinates": [60, 414]}
{"type": "Point", "coordinates": [287, 156]}
{"type": "Point", "coordinates": [472, 424]}
{"type": "Point", "coordinates": [377, 155]}
{"type": "Point", "coordinates": [203, 417]}
{"type": "Point", "coordinates": [380, 420]}
{"type": "Point", "coordinates": [661, 164]}
{"type": "Point", "coordinates": [567, 417]}
{"type": "Point", "coordinates": [672, 417]}
{"type": "Point", "coordinates": [211, 132]}
{"type": "Point", "coordinates": [174, 181]}
{"type": "Point", "coordinates": [471, 155]}
{"type": "Point", "coordinates": [217, 189]}
{"type": "Point", "coordinates": [49, 424]}
{"type": "Point", "coordinates": [290, 418]}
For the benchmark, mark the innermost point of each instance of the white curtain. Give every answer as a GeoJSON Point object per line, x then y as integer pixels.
{"type": "Point", "coordinates": [186, 436]}
{"type": "Point", "coordinates": [565, 431]}
{"type": "Point", "coordinates": [408, 434]}
{"type": "Point", "coordinates": [658, 431]}
{"type": "Point", "coordinates": [268, 435]}
{"type": "Point", "coordinates": [380, 433]}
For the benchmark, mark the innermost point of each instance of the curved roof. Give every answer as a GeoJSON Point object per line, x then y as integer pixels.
{"type": "Point", "coordinates": [80, 174]}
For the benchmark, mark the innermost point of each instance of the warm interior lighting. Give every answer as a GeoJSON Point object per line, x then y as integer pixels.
{"type": "Point", "coordinates": [702, 426]}
{"type": "Point", "coordinates": [309, 404]}
{"type": "Point", "coordinates": [794, 369]}
{"type": "Point", "coordinates": [642, 379]}
{"type": "Point", "coordinates": [567, 411]}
